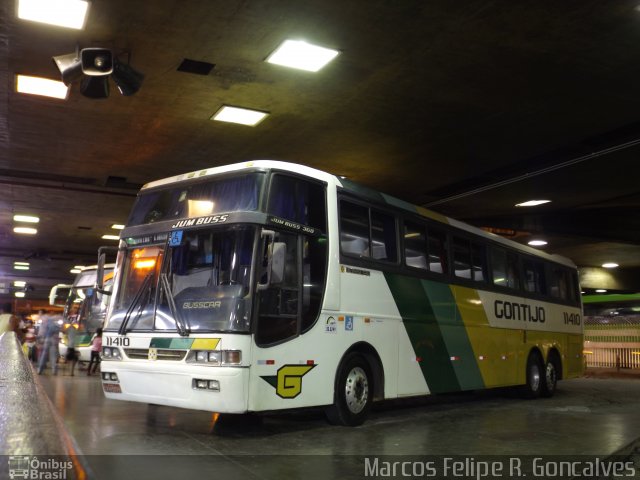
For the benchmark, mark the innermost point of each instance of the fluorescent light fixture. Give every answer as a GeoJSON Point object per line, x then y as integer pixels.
{"type": "Point", "coordinates": [25, 230]}
{"type": "Point", "coordinates": [63, 13]}
{"type": "Point", "coordinates": [75, 270]}
{"type": "Point", "coordinates": [21, 263]}
{"type": "Point", "coordinates": [117, 226]}
{"type": "Point", "coordinates": [537, 243]}
{"type": "Point", "coordinates": [532, 203]}
{"type": "Point", "coordinates": [243, 116]}
{"type": "Point", "coordinates": [20, 283]}
{"type": "Point", "coordinates": [601, 290]}
{"type": "Point", "coordinates": [26, 218]}
{"type": "Point", "coordinates": [19, 294]}
{"type": "Point", "coordinates": [302, 55]}
{"type": "Point", "coordinates": [110, 237]}
{"type": "Point", "coordinates": [78, 267]}
{"type": "Point", "coordinates": [41, 86]}
{"type": "Point", "coordinates": [21, 267]}
{"type": "Point", "coordinates": [610, 265]}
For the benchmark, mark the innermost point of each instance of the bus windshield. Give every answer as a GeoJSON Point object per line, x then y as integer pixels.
{"type": "Point", "coordinates": [85, 306]}
{"type": "Point", "coordinates": [198, 281]}
{"type": "Point", "coordinates": [231, 194]}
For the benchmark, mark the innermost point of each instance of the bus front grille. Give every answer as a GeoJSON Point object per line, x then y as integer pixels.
{"type": "Point", "coordinates": [161, 354]}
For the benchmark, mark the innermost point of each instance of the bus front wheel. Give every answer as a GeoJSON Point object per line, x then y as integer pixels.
{"type": "Point", "coordinates": [353, 392]}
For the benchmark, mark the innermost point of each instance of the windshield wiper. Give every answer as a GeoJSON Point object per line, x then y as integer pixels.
{"type": "Point", "coordinates": [182, 324]}
{"type": "Point", "coordinates": [127, 316]}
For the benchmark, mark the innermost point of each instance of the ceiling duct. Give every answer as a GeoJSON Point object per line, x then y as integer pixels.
{"type": "Point", "coordinates": [93, 67]}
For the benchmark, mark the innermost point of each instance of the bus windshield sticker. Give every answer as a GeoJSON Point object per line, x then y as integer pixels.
{"type": "Point", "coordinates": [176, 238]}
{"type": "Point", "coordinates": [298, 227]}
{"type": "Point", "coordinates": [348, 324]}
{"type": "Point", "coordinates": [195, 222]}
{"type": "Point", "coordinates": [357, 271]}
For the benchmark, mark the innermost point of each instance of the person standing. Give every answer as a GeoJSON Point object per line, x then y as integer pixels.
{"type": "Point", "coordinates": [8, 321]}
{"type": "Point", "coordinates": [72, 353]}
{"type": "Point", "coordinates": [96, 348]}
{"type": "Point", "coordinates": [50, 330]}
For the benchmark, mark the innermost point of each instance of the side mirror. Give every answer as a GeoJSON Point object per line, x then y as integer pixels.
{"type": "Point", "coordinates": [273, 260]}
{"type": "Point", "coordinates": [58, 295]}
{"type": "Point", "coordinates": [102, 258]}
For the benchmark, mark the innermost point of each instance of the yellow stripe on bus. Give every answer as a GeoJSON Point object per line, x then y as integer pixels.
{"type": "Point", "coordinates": [494, 348]}
{"type": "Point", "coordinates": [205, 343]}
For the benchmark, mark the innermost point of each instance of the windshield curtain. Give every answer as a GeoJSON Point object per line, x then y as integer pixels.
{"type": "Point", "coordinates": [232, 194]}
{"type": "Point", "coordinates": [203, 282]}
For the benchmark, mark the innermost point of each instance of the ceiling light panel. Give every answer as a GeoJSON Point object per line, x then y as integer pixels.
{"type": "Point", "coordinates": [25, 230]}
{"type": "Point", "coordinates": [302, 55]}
{"type": "Point", "coordinates": [62, 13]}
{"type": "Point", "coordinates": [243, 116]}
{"type": "Point", "coordinates": [26, 218]}
{"type": "Point", "coordinates": [41, 86]}
{"type": "Point", "coordinates": [532, 203]}
{"type": "Point", "coordinates": [110, 237]}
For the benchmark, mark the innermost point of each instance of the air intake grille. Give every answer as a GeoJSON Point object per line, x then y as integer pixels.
{"type": "Point", "coordinates": [163, 354]}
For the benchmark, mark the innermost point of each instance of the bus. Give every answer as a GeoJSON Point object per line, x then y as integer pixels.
{"type": "Point", "coordinates": [268, 286]}
{"type": "Point", "coordinates": [84, 308]}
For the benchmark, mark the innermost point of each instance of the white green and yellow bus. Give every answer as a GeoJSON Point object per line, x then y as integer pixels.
{"type": "Point", "coordinates": [265, 286]}
{"type": "Point", "coordinates": [84, 308]}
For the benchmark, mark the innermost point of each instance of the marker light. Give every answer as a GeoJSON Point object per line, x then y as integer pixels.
{"type": "Point", "coordinates": [145, 263]}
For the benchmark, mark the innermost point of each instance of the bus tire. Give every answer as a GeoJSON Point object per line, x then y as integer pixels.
{"type": "Point", "coordinates": [353, 392]}
{"type": "Point", "coordinates": [535, 376]}
{"type": "Point", "coordinates": [551, 375]}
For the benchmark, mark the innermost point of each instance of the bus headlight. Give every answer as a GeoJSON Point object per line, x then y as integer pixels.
{"type": "Point", "coordinates": [231, 357]}
{"type": "Point", "coordinates": [217, 357]}
{"type": "Point", "coordinates": [111, 353]}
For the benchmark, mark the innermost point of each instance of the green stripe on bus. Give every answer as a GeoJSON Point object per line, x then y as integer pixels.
{"type": "Point", "coordinates": [424, 332]}
{"type": "Point", "coordinates": [455, 336]}
{"type": "Point", "coordinates": [172, 343]}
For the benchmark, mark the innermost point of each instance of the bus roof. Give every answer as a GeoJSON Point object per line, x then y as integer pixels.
{"type": "Point", "coordinates": [359, 191]}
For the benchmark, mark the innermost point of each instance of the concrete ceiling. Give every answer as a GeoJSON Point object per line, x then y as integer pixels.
{"type": "Point", "coordinates": [466, 107]}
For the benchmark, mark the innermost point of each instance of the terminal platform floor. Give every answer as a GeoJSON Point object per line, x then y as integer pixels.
{"type": "Point", "coordinates": [588, 416]}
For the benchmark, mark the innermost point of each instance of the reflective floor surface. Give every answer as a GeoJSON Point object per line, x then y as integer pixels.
{"type": "Point", "coordinates": [589, 416]}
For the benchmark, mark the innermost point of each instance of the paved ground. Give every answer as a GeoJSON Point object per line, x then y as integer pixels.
{"type": "Point", "coordinates": [597, 415]}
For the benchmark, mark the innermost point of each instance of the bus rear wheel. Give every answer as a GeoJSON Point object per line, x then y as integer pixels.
{"type": "Point", "coordinates": [551, 375]}
{"type": "Point", "coordinates": [353, 392]}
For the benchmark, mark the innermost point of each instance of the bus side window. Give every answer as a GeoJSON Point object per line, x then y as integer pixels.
{"type": "Point", "coordinates": [415, 246]}
{"type": "Point", "coordinates": [560, 284]}
{"type": "Point", "coordinates": [354, 229]}
{"type": "Point", "coordinates": [461, 258]}
{"type": "Point", "coordinates": [437, 243]}
{"type": "Point", "coordinates": [534, 280]}
{"type": "Point", "coordinates": [479, 262]}
{"type": "Point", "coordinates": [383, 237]}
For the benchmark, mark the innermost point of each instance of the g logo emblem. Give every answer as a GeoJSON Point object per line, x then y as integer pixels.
{"type": "Point", "coordinates": [288, 382]}
{"type": "Point", "coordinates": [153, 354]}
